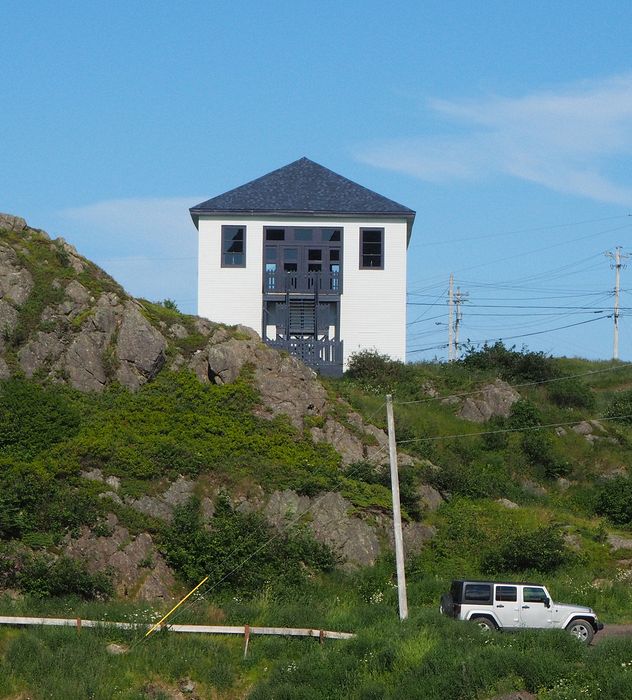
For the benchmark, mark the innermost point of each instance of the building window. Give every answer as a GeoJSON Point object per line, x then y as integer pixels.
{"type": "Point", "coordinates": [233, 246]}
{"type": "Point", "coordinates": [372, 248]}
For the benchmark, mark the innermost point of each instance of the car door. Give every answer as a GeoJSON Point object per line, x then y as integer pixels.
{"type": "Point", "coordinates": [506, 606]}
{"type": "Point", "coordinates": [534, 612]}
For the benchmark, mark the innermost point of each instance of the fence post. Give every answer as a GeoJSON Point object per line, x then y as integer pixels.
{"type": "Point", "coordinates": [78, 625]}
{"type": "Point", "coordinates": [246, 639]}
{"type": "Point", "coordinates": [321, 636]}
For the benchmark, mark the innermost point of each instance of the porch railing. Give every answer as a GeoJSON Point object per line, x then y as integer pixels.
{"type": "Point", "coordinates": [280, 282]}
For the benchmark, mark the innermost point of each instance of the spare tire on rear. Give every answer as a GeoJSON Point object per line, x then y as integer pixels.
{"type": "Point", "coordinates": [447, 605]}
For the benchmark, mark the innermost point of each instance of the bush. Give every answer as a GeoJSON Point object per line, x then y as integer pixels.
{"type": "Point", "coordinates": [43, 575]}
{"type": "Point", "coordinates": [614, 500]}
{"type": "Point", "coordinates": [240, 550]}
{"type": "Point", "coordinates": [408, 482]}
{"type": "Point", "coordinates": [378, 373]}
{"type": "Point", "coordinates": [542, 549]}
{"type": "Point", "coordinates": [524, 414]}
{"type": "Point", "coordinates": [511, 364]}
{"type": "Point", "coordinates": [539, 449]}
{"type": "Point", "coordinates": [571, 393]}
{"type": "Point", "coordinates": [620, 407]}
{"type": "Point", "coordinates": [33, 418]}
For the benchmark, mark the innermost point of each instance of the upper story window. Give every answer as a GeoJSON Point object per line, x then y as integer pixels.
{"type": "Point", "coordinates": [233, 246]}
{"type": "Point", "coordinates": [372, 248]}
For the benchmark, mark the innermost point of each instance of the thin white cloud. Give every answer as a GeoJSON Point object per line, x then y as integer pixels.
{"type": "Point", "coordinates": [570, 141]}
{"type": "Point", "coordinates": [147, 244]}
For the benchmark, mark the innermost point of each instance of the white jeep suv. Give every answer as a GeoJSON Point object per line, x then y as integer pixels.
{"type": "Point", "coordinates": [511, 606]}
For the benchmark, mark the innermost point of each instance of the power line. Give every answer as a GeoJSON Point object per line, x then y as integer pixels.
{"type": "Point", "coordinates": [511, 430]}
{"type": "Point", "coordinates": [512, 337]}
{"type": "Point", "coordinates": [521, 385]}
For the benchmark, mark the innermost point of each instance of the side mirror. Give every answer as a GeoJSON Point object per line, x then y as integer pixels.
{"type": "Point", "coordinates": [547, 602]}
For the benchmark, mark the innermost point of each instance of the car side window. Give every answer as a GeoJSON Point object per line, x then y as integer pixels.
{"type": "Point", "coordinates": [479, 593]}
{"type": "Point", "coordinates": [507, 594]}
{"type": "Point", "coordinates": [534, 595]}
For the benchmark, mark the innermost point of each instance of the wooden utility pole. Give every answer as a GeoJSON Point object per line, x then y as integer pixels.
{"type": "Point", "coordinates": [451, 318]}
{"type": "Point", "coordinates": [397, 515]}
{"type": "Point", "coordinates": [458, 317]}
{"type": "Point", "coordinates": [617, 257]}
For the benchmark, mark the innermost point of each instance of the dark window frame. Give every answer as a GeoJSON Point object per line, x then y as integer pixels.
{"type": "Point", "coordinates": [478, 600]}
{"type": "Point", "coordinates": [503, 595]}
{"type": "Point", "coordinates": [529, 597]}
{"type": "Point", "coordinates": [232, 228]}
{"type": "Point", "coordinates": [371, 229]}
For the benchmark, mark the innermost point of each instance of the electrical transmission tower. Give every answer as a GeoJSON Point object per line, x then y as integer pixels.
{"type": "Point", "coordinates": [617, 256]}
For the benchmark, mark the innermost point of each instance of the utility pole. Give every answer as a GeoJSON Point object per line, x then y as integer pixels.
{"type": "Point", "coordinates": [459, 299]}
{"type": "Point", "coordinates": [451, 318]}
{"type": "Point", "coordinates": [397, 515]}
{"type": "Point", "coordinates": [616, 266]}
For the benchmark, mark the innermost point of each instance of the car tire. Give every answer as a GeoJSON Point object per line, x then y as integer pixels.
{"type": "Point", "coordinates": [447, 605]}
{"type": "Point", "coordinates": [485, 624]}
{"type": "Point", "coordinates": [582, 630]}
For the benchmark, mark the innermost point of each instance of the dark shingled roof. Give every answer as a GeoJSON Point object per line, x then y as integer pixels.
{"type": "Point", "coordinates": [302, 187]}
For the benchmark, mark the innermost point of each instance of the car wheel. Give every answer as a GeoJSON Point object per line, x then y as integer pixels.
{"type": "Point", "coordinates": [582, 630]}
{"type": "Point", "coordinates": [485, 624]}
{"type": "Point", "coordinates": [447, 604]}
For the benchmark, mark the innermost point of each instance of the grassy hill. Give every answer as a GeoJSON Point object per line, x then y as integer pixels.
{"type": "Point", "coordinates": [541, 490]}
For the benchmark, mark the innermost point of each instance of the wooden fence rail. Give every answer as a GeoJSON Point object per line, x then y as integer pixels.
{"type": "Point", "coordinates": [244, 630]}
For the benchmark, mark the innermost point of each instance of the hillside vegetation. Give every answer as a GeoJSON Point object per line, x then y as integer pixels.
{"type": "Point", "coordinates": [213, 455]}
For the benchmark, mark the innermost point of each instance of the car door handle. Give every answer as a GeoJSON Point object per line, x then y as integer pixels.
{"type": "Point", "coordinates": [525, 606]}
{"type": "Point", "coordinates": [500, 606]}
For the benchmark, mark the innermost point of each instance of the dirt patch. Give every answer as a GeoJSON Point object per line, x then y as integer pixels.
{"type": "Point", "coordinates": [613, 631]}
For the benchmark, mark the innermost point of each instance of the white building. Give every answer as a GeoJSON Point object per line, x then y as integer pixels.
{"type": "Point", "coordinates": [313, 261]}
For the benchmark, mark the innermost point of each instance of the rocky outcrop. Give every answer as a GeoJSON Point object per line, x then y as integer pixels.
{"type": "Point", "coordinates": [330, 518]}
{"type": "Point", "coordinates": [16, 282]}
{"type": "Point", "coordinates": [140, 348]}
{"type": "Point", "coordinates": [493, 400]}
{"type": "Point", "coordinates": [138, 570]}
{"type": "Point", "coordinates": [162, 506]}
{"type": "Point", "coordinates": [286, 385]}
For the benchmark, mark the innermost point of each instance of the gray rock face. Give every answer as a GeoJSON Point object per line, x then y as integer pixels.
{"type": "Point", "coordinates": [138, 569]}
{"type": "Point", "coordinates": [416, 537]}
{"type": "Point", "coordinates": [493, 400]}
{"type": "Point", "coordinates": [348, 445]}
{"type": "Point", "coordinates": [162, 506]}
{"type": "Point", "coordinates": [532, 488]}
{"type": "Point", "coordinates": [618, 542]}
{"type": "Point", "coordinates": [506, 503]}
{"type": "Point", "coordinates": [583, 428]}
{"type": "Point", "coordinates": [286, 385]}
{"type": "Point", "coordinates": [8, 320]}
{"type": "Point", "coordinates": [16, 281]}
{"type": "Point", "coordinates": [429, 498]}
{"type": "Point", "coordinates": [8, 222]}
{"type": "Point", "coordinates": [5, 372]}
{"type": "Point", "coordinates": [354, 539]}
{"type": "Point", "coordinates": [40, 352]}
{"type": "Point", "coordinates": [140, 348]}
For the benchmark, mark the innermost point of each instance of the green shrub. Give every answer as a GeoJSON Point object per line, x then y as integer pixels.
{"type": "Point", "coordinates": [614, 500]}
{"type": "Point", "coordinates": [408, 482]}
{"type": "Point", "coordinates": [378, 373]}
{"type": "Point", "coordinates": [240, 550]}
{"type": "Point", "coordinates": [510, 364]}
{"type": "Point", "coordinates": [539, 449]}
{"type": "Point", "coordinates": [571, 393]}
{"type": "Point", "coordinates": [524, 414]}
{"type": "Point", "coordinates": [542, 549]}
{"type": "Point", "coordinates": [44, 575]}
{"type": "Point", "coordinates": [620, 407]}
{"type": "Point", "coordinates": [33, 417]}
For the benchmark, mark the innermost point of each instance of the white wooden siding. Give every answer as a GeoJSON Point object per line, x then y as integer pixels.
{"type": "Point", "coordinates": [373, 303]}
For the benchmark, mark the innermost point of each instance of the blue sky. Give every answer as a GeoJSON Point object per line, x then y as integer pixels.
{"type": "Point", "coordinates": [507, 126]}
